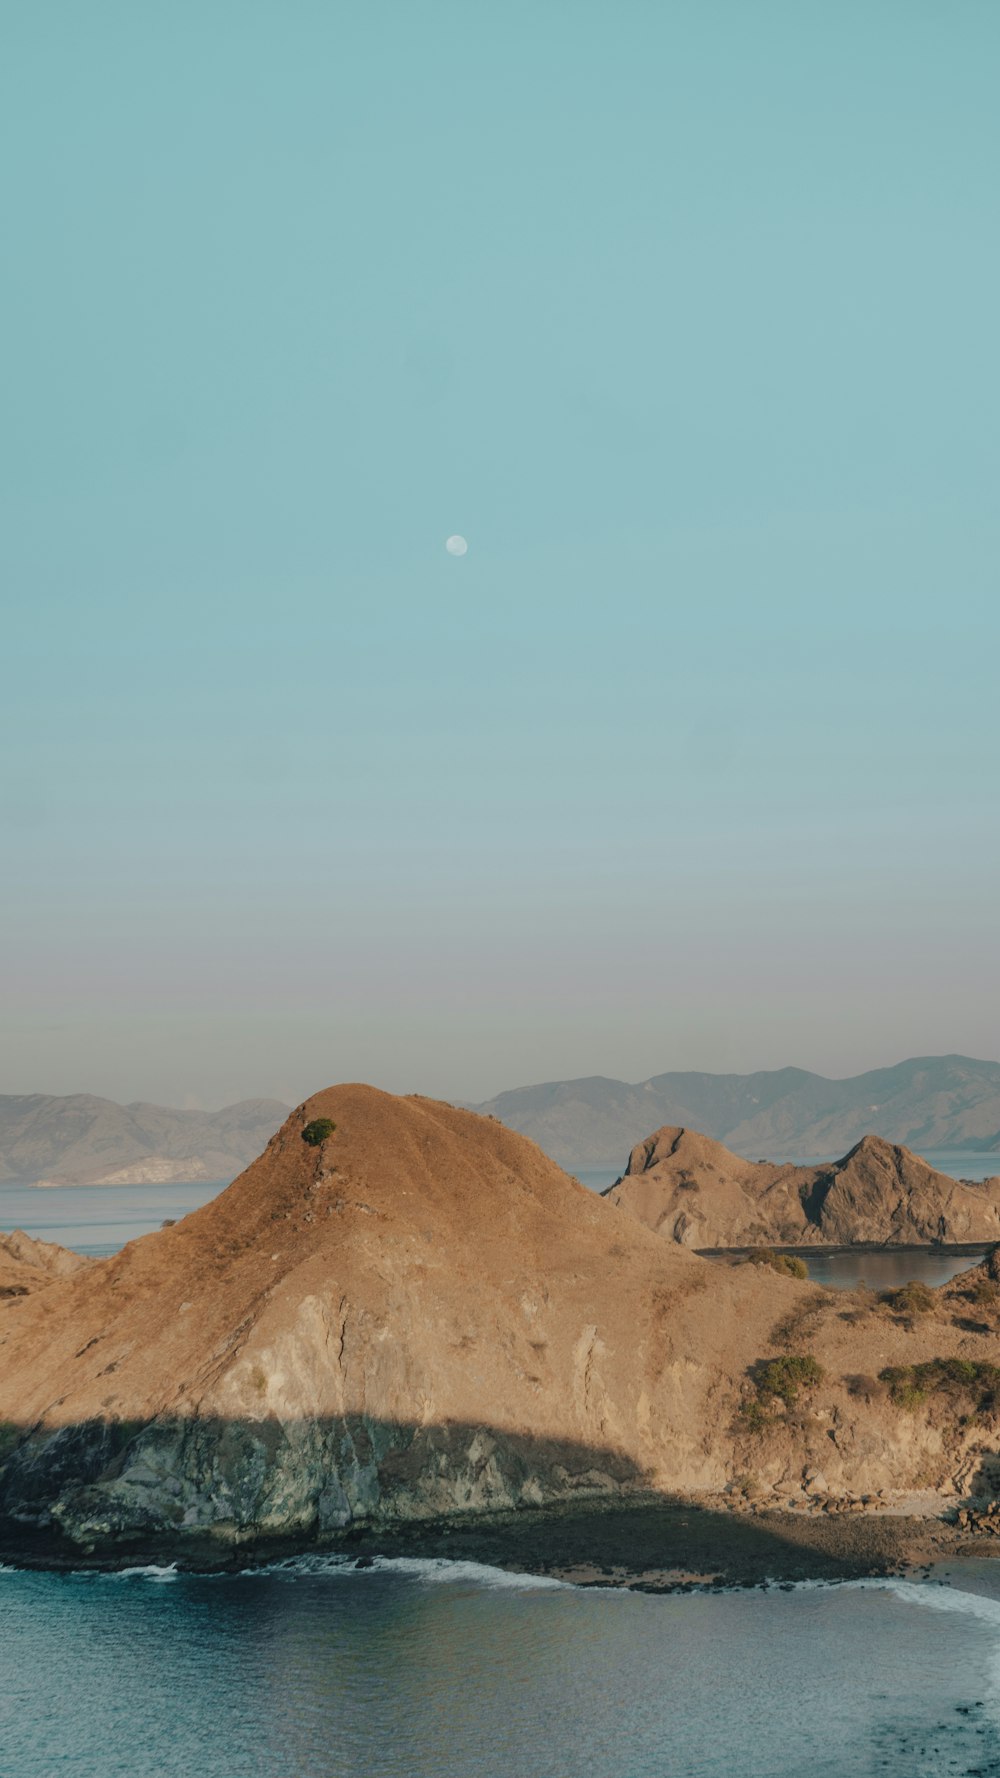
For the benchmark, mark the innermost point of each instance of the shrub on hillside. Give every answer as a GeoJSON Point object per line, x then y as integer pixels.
{"type": "Point", "coordinates": [754, 1416]}
{"type": "Point", "coordinates": [777, 1380]}
{"type": "Point", "coordinates": [784, 1377]}
{"type": "Point", "coordinates": [910, 1299]}
{"type": "Point", "coordinates": [960, 1381]}
{"type": "Point", "coordinates": [318, 1131]}
{"type": "Point", "coordinates": [778, 1262]}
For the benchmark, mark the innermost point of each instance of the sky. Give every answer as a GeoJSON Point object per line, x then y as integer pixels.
{"type": "Point", "coordinates": [684, 315]}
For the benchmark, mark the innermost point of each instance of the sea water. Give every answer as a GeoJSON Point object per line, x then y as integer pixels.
{"type": "Point", "coordinates": [98, 1219]}
{"type": "Point", "coordinates": [446, 1670]}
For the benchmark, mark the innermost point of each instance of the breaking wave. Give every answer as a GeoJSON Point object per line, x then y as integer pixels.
{"type": "Point", "coordinates": [432, 1570]}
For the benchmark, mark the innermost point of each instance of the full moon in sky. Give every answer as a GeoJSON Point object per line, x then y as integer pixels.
{"type": "Point", "coordinates": [456, 546]}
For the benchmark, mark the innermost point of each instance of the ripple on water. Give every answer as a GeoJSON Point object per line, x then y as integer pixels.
{"type": "Point", "coordinates": [455, 1670]}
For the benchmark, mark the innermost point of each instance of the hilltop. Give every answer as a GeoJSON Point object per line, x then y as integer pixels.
{"type": "Point", "coordinates": [692, 1190]}
{"type": "Point", "coordinates": [83, 1140]}
{"type": "Point", "coordinates": [419, 1314]}
{"type": "Point", "coordinates": [929, 1102]}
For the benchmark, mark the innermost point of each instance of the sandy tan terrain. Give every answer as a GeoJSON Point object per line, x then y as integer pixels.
{"type": "Point", "coordinates": [422, 1315]}
{"type": "Point", "coordinates": [695, 1192]}
{"type": "Point", "coordinates": [27, 1264]}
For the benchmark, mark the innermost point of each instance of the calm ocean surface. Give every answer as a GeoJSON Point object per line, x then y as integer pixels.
{"type": "Point", "coordinates": [445, 1671]}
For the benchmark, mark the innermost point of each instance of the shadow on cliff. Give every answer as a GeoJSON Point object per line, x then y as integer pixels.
{"type": "Point", "coordinates": [217, 1494]}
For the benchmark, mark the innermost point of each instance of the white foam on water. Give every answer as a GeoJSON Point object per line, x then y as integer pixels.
{"type": "Point", "coordinates": [431, 1570]}
{"type": "Point", "coordinates": [150, 1571]}
{"type": "Point", "coordinates": [939, 1598]}
{"type": "Point", "coordinates": [436, 1569]}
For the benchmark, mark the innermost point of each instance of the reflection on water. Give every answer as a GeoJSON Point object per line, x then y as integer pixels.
{"type": "Point", "coordinates": [886, 1271]}
{"type": "Point", "coordinates": [335, 1674]}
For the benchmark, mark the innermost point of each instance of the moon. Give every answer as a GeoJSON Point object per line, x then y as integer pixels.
{"type": "Point", "coordinates": [456, 546]}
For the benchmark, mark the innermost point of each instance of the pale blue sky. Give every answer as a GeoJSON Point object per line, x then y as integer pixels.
{"type": "Point", "coordinates": [685, 315]}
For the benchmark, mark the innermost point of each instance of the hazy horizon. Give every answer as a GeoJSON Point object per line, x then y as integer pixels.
{"type": "Point", "coordinates": [192, 1104]}
{"type": "Point", "coordinates": [686, 321]}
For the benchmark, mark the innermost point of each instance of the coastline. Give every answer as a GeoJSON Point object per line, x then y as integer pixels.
{"type": "Point", "coordinates": [821, 1250]}
{"type": "Point", "coordinates": [652, 1545]}
{"type": "Point", "coordinates": [676, 1545]}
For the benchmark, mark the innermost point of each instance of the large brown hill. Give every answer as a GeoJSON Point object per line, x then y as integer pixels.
{"type": "Point", "coordinates": [423, 1315]}
{"type": "Point", "coordinates": [695, 1192]}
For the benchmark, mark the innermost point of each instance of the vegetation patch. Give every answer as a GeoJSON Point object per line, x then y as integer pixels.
{"type": "Point", "coordinates": [754, 1416]}
{"type": "Point", "coordinates": [787, 1263]}
{"type": "Point", "coordinates": [318, 1130]}
{"type": "Point", "coordinates": [983, 1292]}
{"type": "Point", "coordinates": [961, 1382]}
{"type": "Point", "coordinates": [864, 1388]}
{"type": "Point", "coordinates": [778, 1380]}
{"type": "Point", "coordinates": [799, 1323]}
{"type": "Point", "coordinates": [911, 1299]}
{"type": "Point", "coordinates": [784, 1377]}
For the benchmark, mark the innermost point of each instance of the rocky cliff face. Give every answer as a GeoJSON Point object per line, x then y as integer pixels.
{"type": "Point", "coordinates": [421, 1315]}
{"type": "Point", "coordinates": [693, 1191]}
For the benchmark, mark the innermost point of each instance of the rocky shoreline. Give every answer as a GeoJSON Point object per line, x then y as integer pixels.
{"type": "Point", "coordinates": [670, 1546]}
{"type": "Point", "coordinates": [656, 1545]}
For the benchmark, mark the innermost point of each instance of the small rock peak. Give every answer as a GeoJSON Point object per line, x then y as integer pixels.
{"type": "Point", "coordinates": [684, 1146]}
{"type": "Point", "coordinates": [657, 1147]}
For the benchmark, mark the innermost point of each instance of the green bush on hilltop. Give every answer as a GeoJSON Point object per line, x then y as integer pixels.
{"type": "Point", "coordinates": [318, 1131]}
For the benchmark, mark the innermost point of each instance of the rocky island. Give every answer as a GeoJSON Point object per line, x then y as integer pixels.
{"type": "Point", "coordinates": [403, 1316]}
{"type": "Point", "coordinates": [695, 1192]}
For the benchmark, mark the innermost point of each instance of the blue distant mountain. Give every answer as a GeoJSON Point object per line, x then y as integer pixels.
{"type": "Point", "coordinates": [929, 1103]}
{"type": "Point", "coordinates": [80, 1139]}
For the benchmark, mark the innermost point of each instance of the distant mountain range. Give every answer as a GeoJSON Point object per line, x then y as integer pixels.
{"type": "Point", "coordinates": [928, 1103]}
{"type": "Point", "coordinates": [83, 1140]}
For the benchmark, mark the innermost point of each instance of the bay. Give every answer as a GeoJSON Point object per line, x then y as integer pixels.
{"type": "Point", "coordinates": [444, 1670]}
